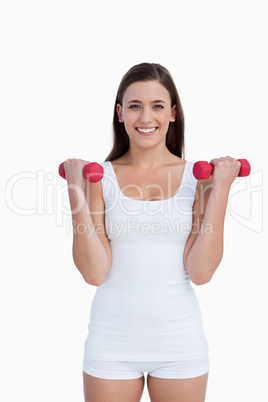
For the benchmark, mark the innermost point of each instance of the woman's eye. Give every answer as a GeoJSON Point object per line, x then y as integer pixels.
{"type": "Point", "coordinates": [138, 106]}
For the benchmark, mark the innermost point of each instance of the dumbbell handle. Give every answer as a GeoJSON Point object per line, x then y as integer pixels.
{"type": "Point", "coordinates": [203, 170]}
{"type": "Point", "coordinates": [92, 172]}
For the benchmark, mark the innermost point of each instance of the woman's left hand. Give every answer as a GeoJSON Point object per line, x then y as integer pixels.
{"type": "Point", "coordinates": [225, 171]}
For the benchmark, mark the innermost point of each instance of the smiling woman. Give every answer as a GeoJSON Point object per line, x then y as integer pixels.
{"type": "Point", "coordinates": [145, 315]}
{"type": "Point", "coordinates": [146, 110]}
{"type": "Point", "coordinates": [145, 73]}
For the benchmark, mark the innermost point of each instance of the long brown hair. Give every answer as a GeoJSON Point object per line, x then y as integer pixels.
{"type": "Point", "coordinates": [175, 133]}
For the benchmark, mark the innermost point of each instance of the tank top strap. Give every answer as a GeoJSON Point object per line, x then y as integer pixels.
{"type": "Point", "coordinates": [188, 177]}
{"type": "Point", "coordinates": [108, 181]}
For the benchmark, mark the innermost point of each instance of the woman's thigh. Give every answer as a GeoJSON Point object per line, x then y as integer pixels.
{"type": "Point", "coordinates": [102, 390]}
{"type": "Point", "coordinates": [187, 390]}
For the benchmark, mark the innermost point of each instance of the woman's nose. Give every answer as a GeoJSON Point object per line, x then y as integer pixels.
{"type": "Point", "coordinates": [146, 115]}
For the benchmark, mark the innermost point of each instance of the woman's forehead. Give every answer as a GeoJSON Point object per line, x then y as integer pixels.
{"type": "Point", "coordinates": [146, 91]}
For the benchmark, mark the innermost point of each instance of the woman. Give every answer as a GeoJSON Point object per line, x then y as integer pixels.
{"type": "Point", "coordinates": [141, 235]}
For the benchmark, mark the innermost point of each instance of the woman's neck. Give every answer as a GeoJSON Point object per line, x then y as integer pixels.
{"type": "Point", "coordinates": [147, 158]}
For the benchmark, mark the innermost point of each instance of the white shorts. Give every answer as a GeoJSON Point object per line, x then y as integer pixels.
{"type": "Point", "coordinates": [128, 370]}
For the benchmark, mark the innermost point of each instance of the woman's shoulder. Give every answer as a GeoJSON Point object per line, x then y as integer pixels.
{"type": "Point", "coordinates": [120, 161]}
{"type": "Point", "coordinates": [176, 160]}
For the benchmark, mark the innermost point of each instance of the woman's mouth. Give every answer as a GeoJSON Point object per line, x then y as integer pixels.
{"type": "Point", "coordinates": [146, 130]}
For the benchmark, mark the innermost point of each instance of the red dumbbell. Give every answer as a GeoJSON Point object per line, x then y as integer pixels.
{"type": "Point", "coordinates": [202, 170]}
{"type": "Point", "coordinates": [92, 172]}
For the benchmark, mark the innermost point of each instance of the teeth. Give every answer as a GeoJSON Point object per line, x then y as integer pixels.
{"type": "Point", "coordinates": [146, 130]}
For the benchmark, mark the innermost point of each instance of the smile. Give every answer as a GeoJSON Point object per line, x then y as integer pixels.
{"type": "Point", "coordinates": [146, 131]}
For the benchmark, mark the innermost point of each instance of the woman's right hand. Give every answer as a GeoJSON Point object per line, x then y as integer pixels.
{"type": "Point", "coordinates": [225, 171]}
{"type": "Point", "coordinates": [74, 172]}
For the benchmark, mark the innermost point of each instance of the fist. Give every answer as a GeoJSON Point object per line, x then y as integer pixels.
{"type": "Point", "coordinates": [74, 171]}
{"type": "Point", "coordinates": [225, 170]}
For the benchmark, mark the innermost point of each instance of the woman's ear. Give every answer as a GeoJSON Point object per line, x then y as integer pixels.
{"type": "Point", "coordinates": [173, 113]}
{"type": "Point", "coordinates": [119, 113]}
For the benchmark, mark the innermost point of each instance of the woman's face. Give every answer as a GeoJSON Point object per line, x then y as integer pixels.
{"type": "Point", "coordinates": [146, 112]}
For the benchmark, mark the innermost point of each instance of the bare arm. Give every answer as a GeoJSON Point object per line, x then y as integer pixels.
{"type": "Point", "coordinates": [91, 247]}
{"type": "Point", "coordinates": [204, 248]}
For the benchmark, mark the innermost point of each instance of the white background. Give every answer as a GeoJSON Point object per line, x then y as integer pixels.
{"type": "Point", "coordinates": [61, 64]}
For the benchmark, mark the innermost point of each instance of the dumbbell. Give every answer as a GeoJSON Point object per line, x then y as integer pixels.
{"type": "Point", "coordinates": [92, 172]}
{"type": "Point", "coordinates": [202, 170]}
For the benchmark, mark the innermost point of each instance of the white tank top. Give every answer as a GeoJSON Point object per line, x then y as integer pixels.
{"type": "Point", "coordinates": [146, 309]}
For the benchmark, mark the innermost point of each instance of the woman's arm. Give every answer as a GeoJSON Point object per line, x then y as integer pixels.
{"type": "Point", "coordinates": [91, 247]}
{"type": "Point", "coordinates": [204, 248]}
